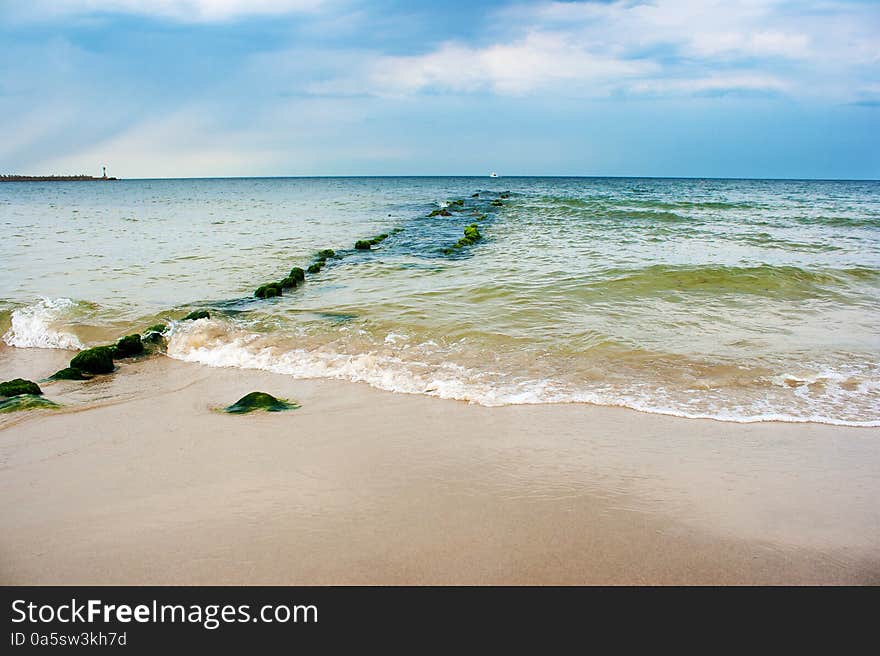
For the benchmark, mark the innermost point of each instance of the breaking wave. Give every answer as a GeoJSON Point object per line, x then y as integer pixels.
{"type": "Point", "coordinates": [37, 325]}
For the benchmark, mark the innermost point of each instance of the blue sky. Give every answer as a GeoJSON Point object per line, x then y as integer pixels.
{"type": "Point", "coordinates": [166, 88]}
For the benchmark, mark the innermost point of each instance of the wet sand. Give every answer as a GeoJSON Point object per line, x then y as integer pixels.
{"type": "Point", "coordinates": [139, 479]}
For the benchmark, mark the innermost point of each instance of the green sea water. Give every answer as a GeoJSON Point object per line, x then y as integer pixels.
{"type": "Point", "coordinates": [740, 300]}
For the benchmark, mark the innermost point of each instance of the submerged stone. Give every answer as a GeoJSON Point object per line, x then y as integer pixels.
{"type": "Point", "coordinates": [458, 202]}
{"type": "Point", "coordinates": [128, 346]}
{"type": "Point", "coordinates": [496, 203]}
{"type": "Point", "coordinates": [475, 195]}
{"type": "Point", "coordinates": [26, 402]}
{"type": "Point", "coordinates": [325, 254]}
{"type": "Point", "coordinates": [362, 245]}
{"type": "Point", "coordinates": [97, 360]}
{"type": "Point", "coordinates": [270, 290]}
{"type": "Point", "coordinates": [260, 401]}
{"type": "Point", "coordinates": [19, 386]}
{"type": "Point", "coordinates": [197, 314]}
{"type": "Point", "coordinates": [316, 267]}
{"type": "Point", "coordinates": [378, 239]}
{"type": "Point", "coordinates": [69, 373]}
{"type": "Point", "coordinates": [441, 212]}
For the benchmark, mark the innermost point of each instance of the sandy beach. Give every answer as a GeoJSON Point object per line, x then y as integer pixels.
{"type": "Point", "coordinates": [139, 479]}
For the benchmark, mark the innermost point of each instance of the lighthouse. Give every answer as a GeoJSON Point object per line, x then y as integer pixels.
{"type": "Point", "coordinates": [104, 169]}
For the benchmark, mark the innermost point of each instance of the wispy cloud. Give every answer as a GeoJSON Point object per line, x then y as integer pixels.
{"type": "Point", "coordinates": [179, 10]}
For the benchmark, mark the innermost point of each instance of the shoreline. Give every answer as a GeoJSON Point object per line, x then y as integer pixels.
{"type": "Point", "coordinates": [140, 480]}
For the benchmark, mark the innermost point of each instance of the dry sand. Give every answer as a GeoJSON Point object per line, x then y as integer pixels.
{"type": "Point", "coordinates": [139, 479]}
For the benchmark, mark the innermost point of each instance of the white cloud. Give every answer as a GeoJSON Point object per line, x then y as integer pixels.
{"type": "Point", "coordinates": [540, 60]}
{"type": "Point", "coordinates": [712, 83]}
{"type": "Point", "coordinates": [662, 47]}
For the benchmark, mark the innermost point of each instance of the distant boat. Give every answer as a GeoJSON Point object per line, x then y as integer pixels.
{"type": "Point", "coordinates": [493, 174]}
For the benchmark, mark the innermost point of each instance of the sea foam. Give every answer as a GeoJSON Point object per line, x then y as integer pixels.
{"type": "Point", "coordinates": [220, 343]}
{"type": "Point", "coordinates": [32, 326]}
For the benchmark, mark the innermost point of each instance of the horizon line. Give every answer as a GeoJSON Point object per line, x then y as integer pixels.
{"type": "Point", "coordinates": [500, 177]}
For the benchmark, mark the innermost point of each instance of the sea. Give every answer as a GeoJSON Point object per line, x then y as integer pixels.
{"type": "Point", "coordinates": [734, 300]}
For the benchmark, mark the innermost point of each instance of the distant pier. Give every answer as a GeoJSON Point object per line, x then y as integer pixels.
{"type": "Point", "coordinates": [53, 178]}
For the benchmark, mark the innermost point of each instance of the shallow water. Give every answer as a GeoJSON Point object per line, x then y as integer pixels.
{"type": "Point", "coordinates": [730, 299]}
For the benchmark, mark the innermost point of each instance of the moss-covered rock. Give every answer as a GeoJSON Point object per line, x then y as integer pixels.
{"type": "Point", "coordinates": [156, 328]}
{"type": "Point", "coordinates": [128, 346]}
{"type": "Point", "coordinates": [153, 337]}
{"type": "Point", "coordinates": [288, 283]}
{"type": "Point", "coordinates": [471, 236]}
{"type": "Point", "coordinates": [378, 239]}
{"type": "Point", "coordinates": [326, 254]}
{"type": "Point", "coordinates": [496, 203]}
{"type": "Point", "coordinates": [297, 274]}
{"type": "Point", "coordinates": [316, 267]}
{"type": "Point", "coordinates": [19, 386]}
{"type": "Point", "coordinates": [270, 290]}
{"type": "Point", "coordinates": [260, 401]}
{"type": "Point", "coordinates": [362, 245]}
{"type": "Point", "coordinates": [458, 202]}
{"type": "Point", "coordinates": [441, 212]}
{"type": "Point", "coordinates": [97, 360]}
{"type": "Point", "coordinates": [197, 314]}
{"type": "Point", "coordinates": [26, 402]}
{"type": "Point", "coordinates": [69, 373]}
{"type": "Point", "coordinates": [504, 194]}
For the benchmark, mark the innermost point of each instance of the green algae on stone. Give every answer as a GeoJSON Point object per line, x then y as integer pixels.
{"type": "Point", "coordinates": [496, 203]}
{"type": "Point", "coordinates": [326, 254]}
{"type": "Point", "coordinates": [154, 338]}
{"type": "Point", "coordinates": [362, 245]}
{"type": "Point", "coordinates": [458, 202]}
{"type": "Point", "coordinates": [297, 274]}
{"type": "Point", "coordinates": [471, 236]}
{"type": "Point", "coordinates": [316, 267]}
{"type": "Point", "coordinates": [26, 402]}
{"type": "Point", "coordinates": [288, 282]}
{"type": "Point", "coordinates": [18, 386]}
{"type": "Point", "coordinates": [260, 401]}
{"type": "Point", "coordinates": [69, 373]}
{"type": "Point", "coordinates": [128, 346]}
{"type": "Point", "coordinates": [378, 239]}
{"type": "Point", "coordinates": [97, 360]}
{"type": "Point", "coordinates": [441, 212]}
{"type": "Point", "coordinates": [270, 290]}
{"type": "Point", "coordinates": [197, 314]}
{"type": "Point", "coordinates": [156, 328]}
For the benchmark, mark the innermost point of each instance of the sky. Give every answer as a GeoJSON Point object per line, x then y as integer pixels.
{"type": "Point", "coordinates": [204, 88]}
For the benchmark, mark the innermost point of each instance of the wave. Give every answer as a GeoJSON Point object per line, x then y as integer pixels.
{"type": "Point", "coordinates": [35, 326]}
{"type": "Point", "coordinates": [840, 221]}
{"type": "Point", "coordinates": [655, 204]}
{"type": "Point", "coordinates": [220, 343]}
{"type": "Point", "coordinates": [761, 279]}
